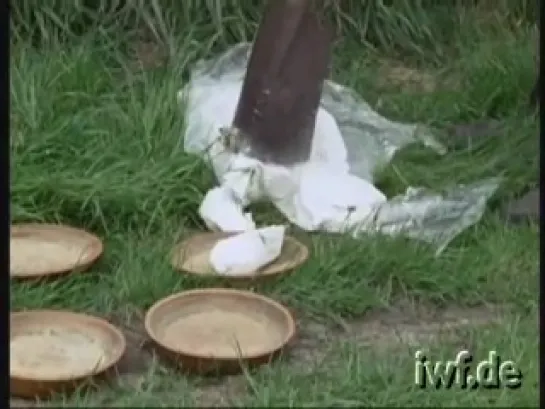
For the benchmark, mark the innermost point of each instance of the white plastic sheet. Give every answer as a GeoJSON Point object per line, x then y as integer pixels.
{"type": "Point", "coordinates": [334, 190]}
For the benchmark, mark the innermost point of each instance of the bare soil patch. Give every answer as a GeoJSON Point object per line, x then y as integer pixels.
{"type": "Point", "coordinates": [403, 325]}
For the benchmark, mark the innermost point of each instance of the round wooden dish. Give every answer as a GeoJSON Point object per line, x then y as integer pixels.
{"type": "Point", "coordinates": [193, 256]}
{"type": "Point", "coordinates": [41, 250]}
{"type": "Point", "coordinates": [56, 351]}
{"type": "Point", "coordinates": [219, 330]}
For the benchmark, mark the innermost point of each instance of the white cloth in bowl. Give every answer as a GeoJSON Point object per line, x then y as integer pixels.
{"type": "Point", "coordinates": [246, 252]}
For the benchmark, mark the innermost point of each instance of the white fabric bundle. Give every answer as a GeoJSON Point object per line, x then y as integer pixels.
{"type": "Point", "coordinates": [222, 212]}
{"type": "Point", "coordinates": [246, 252]}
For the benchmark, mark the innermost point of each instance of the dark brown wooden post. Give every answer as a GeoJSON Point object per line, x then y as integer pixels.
{"type": "Point", "coordinates": [280, 96]}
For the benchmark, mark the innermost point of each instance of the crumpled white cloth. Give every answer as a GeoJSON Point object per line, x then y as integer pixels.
{"type": "Point", "coordinates": [221, 211]}
{"type": "Point", "coordinates": [314, 196]}
{"type": "Point", "coordinates": [247, 252]}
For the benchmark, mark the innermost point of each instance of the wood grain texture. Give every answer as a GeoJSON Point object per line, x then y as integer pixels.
{"type": "Point", "coordinates": [281, 93]}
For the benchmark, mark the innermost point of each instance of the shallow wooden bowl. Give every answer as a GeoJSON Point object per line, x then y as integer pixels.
{"type": "Point", "coordinates": [45, 250]}
{"type": "Point", "coordinates": [219, 330]}
{"type": "Point", "coordinates": [56, 351]}
{"type": "Point", "coordinates": [192, 256]}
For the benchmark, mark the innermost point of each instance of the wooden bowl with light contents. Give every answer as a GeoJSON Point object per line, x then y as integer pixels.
{"type": "Point", "coordinates": [48, 250]}
{"type": "Point", "coordinates": [219, 330]}
{"type": "Point", "coordinates": [57, 351]}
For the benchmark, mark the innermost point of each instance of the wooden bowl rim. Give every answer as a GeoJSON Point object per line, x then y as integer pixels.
{"type": "Point", "coordinates": [63, 316]}
{"type": "Point", "coordinates": [95, 248]}
{"type": "Point", "coordinates": [211, 292]}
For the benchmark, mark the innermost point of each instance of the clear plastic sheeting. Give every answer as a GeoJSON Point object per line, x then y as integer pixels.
{"type": "Point", "coordinates": [350, 142]}
{"type": "Point", "coordinates": [432, 217]}
{"type": "Point", "coordinates": [370, 139]}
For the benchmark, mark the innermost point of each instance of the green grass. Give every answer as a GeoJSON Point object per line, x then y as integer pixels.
{"type": "Point", "coordinates": [97, 144]}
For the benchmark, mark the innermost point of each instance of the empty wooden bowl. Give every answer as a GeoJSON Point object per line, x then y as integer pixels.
{"type": "Point", "coordinates": [39, 250]}
{"type": "Point", "coordinates": [219, 330]}
{"type": "Point", "coordinates": [56, 351]}
{"type": "Point", "coordinates": [193, 256]}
